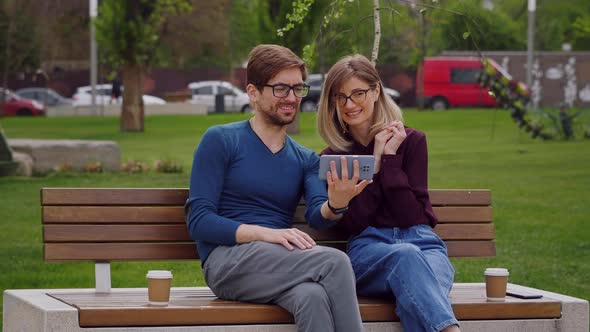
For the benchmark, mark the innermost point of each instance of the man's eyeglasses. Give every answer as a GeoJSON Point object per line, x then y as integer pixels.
{"type": "Point", "coordinates": [357, 97]}
{"type": "Point", "coordinates": [281, 90]}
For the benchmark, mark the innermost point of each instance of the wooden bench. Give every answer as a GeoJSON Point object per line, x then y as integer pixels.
{"type": "Point", "coordinates": [104, 225]}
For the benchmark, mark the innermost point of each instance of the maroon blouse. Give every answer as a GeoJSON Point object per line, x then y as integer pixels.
{"type": "Point", "coordinates": [398, 196]}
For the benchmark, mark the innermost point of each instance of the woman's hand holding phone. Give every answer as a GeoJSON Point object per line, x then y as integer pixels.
{"type": "Point", "coordinates": [342, 190]}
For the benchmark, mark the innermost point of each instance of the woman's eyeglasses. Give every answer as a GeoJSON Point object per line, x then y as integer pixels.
{"type": "Point", "coordinates": [281, 90]}
{"type": "Point", "coordinates": [357, 97]}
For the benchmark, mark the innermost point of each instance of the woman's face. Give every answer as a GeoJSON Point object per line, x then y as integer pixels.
{"type": "Point", "coordinates": [355, 102]}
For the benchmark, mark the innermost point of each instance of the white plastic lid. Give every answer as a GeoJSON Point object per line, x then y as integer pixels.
{"type": "Point", "coordinates": [159, 274]}
{"type": "Point", "coordinates": [495, 271]}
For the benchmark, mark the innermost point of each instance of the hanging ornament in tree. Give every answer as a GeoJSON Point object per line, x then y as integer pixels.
{"type": "Point", "coordinates": [513, 95]}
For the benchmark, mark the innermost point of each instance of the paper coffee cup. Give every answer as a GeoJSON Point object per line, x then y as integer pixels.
{"type": "Point", "coordinates": [159, 287]}
{"type": "Point", "coordinates": [496, 281]}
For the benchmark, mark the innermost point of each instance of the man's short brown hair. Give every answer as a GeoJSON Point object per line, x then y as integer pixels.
{"type": "Point", "coordinates": [266, 61]}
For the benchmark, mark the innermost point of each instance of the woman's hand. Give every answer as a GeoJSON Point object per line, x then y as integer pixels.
{"type": "Point", "coordinates": [342, 190]}
{"type": "Point", "coordinates": [381, 139]}
{"type": "Point", "coordinates": [398, 136]}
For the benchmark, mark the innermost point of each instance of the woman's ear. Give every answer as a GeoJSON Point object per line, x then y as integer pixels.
{"type": "Point", "coordinates": [377, 91]}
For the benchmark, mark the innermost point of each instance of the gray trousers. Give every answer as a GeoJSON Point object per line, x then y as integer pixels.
{"type": "Point", "coordinates": [316, 285]}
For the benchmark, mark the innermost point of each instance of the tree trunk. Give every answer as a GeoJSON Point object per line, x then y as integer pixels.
{"type": "Point", "coordinates": [132, 112]}
{"type": "Point", "coordinates": [377, 37]}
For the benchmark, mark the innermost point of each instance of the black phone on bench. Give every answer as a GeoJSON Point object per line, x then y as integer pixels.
{"type": "Point", "coordinates": [523, 294]}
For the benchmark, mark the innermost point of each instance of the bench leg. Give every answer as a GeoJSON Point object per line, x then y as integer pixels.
{"type": "Point", "coordinates": [102, 273]}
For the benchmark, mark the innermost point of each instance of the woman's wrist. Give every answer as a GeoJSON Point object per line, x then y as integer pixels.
{"type": "Point", "coordinates": [377, 166]}
{"type": "Point", "coordinates": [390, 151]}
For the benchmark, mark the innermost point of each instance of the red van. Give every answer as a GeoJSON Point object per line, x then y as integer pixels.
{"type": "Point", "coordinates": [446, 81]}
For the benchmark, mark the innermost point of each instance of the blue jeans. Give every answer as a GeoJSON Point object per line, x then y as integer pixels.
{"type": "Point", "coordinates": [410, 265]}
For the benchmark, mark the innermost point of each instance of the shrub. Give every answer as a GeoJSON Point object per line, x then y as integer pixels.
{"type": "Point", "coordinates": [134, 166]}
{"type": "Point", "coordinates": [93, 167]}
{"type": "Point", "coordinates": [168, 166]}
{"type": "Point", "coordinates": [64, 167]}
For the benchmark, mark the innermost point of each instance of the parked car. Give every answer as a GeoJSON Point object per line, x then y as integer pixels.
{"type": "Point", "coordinates": [453, 82]}
{"type": "Point", "coordinates": [83, 96]}
{"type": "Point", "coordinates": [45, 95]}
{"type": "Point", "coordinates": [310, 102]}
{"type": "Point", "coordinates": [204, 92]}
{"type": "Point", "coordinates": [16, 105]}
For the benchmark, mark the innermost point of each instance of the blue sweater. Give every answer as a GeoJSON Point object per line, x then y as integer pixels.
{"type": "Point", "coordinates": [236, 180]}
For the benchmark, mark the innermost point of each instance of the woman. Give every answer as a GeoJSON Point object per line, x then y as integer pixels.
{"type": "Point", "coordinates": [393, 249]}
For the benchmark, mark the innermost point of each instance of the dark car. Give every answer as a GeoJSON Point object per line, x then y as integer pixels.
{"type": "Point", "coordinates": [16, 105]}
{"type": "Point", "coordinates": [47, 96]}
{"type": "Point", "coordinates": [310, 102]}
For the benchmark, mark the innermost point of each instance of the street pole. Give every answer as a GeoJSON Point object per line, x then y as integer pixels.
{"type": "Point", "coordinates": [93, 55]}
{"type": "Point", "coordinates": [530, 44]}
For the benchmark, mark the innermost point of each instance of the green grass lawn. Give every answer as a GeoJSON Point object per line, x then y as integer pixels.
{"type": "Point", "coordinates": [540, 190]}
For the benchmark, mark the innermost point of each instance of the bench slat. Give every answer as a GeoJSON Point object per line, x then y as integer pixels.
{"type": "Point", "coordinates": [178, 232]}
{"type": "Point", "coordinates": [175, 214]}
{"type": "Point", "coordinates": [460, 197]}
{"type": "Point", "coordinates": [446, 232]}
{"type": "Point", "coordinates": [102, 252]}
{"type": "Point", "coordinates": [113, 196]}
{"type": "Point", "coordinates": [177, 196]}
{"type": "Point", "coordinates": [201, 307]}
{"type": "Point", "coordinates": [113, 214]}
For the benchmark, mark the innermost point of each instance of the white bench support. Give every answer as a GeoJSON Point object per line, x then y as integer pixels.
{"type": "Point", "coordinates": [102, 273]}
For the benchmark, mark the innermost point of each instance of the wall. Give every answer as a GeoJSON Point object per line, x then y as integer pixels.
{"type": "Point", "coordinates": [558, 77]}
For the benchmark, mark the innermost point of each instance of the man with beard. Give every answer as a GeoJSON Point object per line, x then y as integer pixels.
{"type": "Point", "coordinates": [246, 182]}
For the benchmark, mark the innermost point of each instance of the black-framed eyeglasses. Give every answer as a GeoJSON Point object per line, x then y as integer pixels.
{"type": "Point", "coordinates": [357, 97]}
{"type": "Point", "coordinates": [281, 90]}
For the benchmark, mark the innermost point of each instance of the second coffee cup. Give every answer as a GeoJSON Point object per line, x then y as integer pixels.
{"type": "Point", "coordinates": [496, 282]}
{"type": "Point", "coordinates": [159, 282]}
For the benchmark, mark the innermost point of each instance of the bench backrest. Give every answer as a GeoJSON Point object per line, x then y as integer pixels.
{"type": "Point", "coordinates": [104, 225]}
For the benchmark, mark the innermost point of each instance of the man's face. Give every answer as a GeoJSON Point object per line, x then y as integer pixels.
{"type": "Point", "coordinates": [274, 110]}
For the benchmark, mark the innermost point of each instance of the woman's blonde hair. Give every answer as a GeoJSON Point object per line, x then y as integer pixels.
{"type": "Point", "coordinates": [330, 125]}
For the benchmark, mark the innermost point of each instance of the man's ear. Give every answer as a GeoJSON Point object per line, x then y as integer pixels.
{"type": "Point", "coordinates": [253, 92]}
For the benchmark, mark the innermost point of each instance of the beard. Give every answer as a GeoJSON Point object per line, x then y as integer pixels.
{"type": "Point", "coordinates": [272, 116]}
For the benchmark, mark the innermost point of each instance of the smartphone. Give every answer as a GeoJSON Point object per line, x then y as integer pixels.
{"type": "Point", "coordinates": [366, 165]}
{"type": "Point", "coordinates": [523, 295]}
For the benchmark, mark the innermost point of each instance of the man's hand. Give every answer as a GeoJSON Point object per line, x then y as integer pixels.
{"type": "Point", "coordinates": [250, 233]}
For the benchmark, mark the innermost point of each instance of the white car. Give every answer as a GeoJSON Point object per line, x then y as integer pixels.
{"type": "Point", "coordinates": [204, 92]}
{"type": "Point", "coordinates": [83, 96]}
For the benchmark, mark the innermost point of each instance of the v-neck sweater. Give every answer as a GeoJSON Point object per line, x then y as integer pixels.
{"type": "Point", "coordinates": [236, 179]}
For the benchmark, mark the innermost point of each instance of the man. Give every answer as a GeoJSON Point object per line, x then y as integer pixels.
{"type": "Point", "coordinates": [115, 90]}
{"type": "Point", "coordinates": [246, 182]}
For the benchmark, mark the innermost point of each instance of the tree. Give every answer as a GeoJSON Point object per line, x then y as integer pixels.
{"type": "Point", "coordinates": [128, 32]}
{"type": "Point", "coordinates": [555, 23]}
{"type": "Point", "coordinates": [386, 30]}
{"type": "Point", "coordinates": [467, 25]}
{"type": "Point", "coordinates": [581, 33]}
{"type": "Point", "coordinates": [19, 45]}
